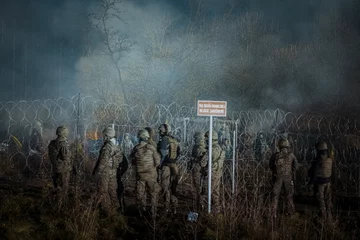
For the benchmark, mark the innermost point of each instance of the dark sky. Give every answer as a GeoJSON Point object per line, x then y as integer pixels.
{"type": "Point", "coordinates": [41, 41]}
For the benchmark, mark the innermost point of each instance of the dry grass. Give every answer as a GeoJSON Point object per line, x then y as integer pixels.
{"type": "Point", "coordinates": [27, 214]}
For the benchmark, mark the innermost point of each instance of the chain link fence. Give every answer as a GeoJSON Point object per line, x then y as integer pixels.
{"type": "Point", "coordinates": [28, 126]}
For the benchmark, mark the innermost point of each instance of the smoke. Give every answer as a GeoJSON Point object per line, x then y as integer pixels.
{"type": "Point", "coordinates": [255, 56]}
{"type": "Point", "coordinates": [39, 44]}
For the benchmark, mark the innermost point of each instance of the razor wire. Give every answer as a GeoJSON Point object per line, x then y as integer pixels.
{"type": "Point", "coordinates": [87, 116]}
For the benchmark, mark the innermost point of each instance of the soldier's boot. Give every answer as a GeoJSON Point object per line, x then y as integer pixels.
{"type": "Point", "coordinates": [122, 205]}
{"type": "Point", "coordinates": [153, 212]}
{"type": "Point", "coordinates": [290, 211]}
{"type": "Point", "coordinates": [329, 215]}
{"type": "Point", "coordinates": [167, 207]}
{"type": "Point", "coordinates": [174, 210]}
{"type": "Point", "coordinates": [142, 211]}
{"type": "Point", "coordinates": [273, 210]}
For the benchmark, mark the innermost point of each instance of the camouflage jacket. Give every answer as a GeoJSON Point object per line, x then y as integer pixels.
{"type": "Point", "coordinates": [217, 157]}
{"type": "Point", "coordinates": [60, 155]}
{"type": "Point", "coordinates": [110, 160]}
{"type": "Point", "coordinates": [283, 164]}
{"type": "Point", "coordinates": [198, 155]}
{"type": "Point", "coordinates": [145, 158]}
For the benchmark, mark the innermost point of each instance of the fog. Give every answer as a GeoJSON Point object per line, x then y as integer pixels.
{"type": "Point", "coordinates": [254, 54]}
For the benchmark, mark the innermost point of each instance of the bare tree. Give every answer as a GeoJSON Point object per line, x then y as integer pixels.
{"type": "Point", "coordinates": [114, 42]}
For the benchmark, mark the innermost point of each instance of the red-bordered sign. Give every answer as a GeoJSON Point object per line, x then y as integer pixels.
{"type": "Point", "coordinates": [211, 108]}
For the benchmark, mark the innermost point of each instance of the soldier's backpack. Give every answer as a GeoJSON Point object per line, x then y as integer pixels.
{"type": "Point", "coordinates": [172, 149]}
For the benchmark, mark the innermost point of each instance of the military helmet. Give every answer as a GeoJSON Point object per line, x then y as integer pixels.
{"type": "Point", "coordinates": [150, 130]}
{"type": "Point", "coordinates": [143, 135]}
{"type": "Point", "coordinates": [322, 146]}
{"type": "Point", "coordinates": [283, 143]}
{"type": "Point", "coordinates": [38, 124]}
{"type": "Point", "coordinates": [198, 135]}
{"type": "Point", "coordinates": [165, 128]}
{"type": "Point", "coordinates": [62, 131]}
{"type": "Point", "coordinates": [214, 135]}
{"type": "Point", "coordinates": [109, 132]}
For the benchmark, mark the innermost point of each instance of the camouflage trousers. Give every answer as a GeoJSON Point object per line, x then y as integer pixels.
{"type": "Point", "coordinates": [61, 182]}
{"type": "Point", "coordinates": [197, 187]}
{"type": "Point", "coordinates": [147, 185]}
{"type": "Point", "coordinates": [215, 191]}
{"type": "Point", "coordinates": [169, 182]}
{"type": "Point", "coordinates": [120, 194]}
{"type": "Point", "coordinates": [288, 185]}
{"type": "Point", "coordinates": [107, 193]}
{"type": "Point", "coordinates": [323, 196]}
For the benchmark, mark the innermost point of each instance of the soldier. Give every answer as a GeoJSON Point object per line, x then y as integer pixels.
{"type": "Point", "coordinates": [248, 152]}
{"type": "Point", "coordinates": [145, 159]}
{"type": "Point", "coordinates": [36, 139]}
{"type": "Point", "coordinates": [60, 158]}
{"type": "Point", "coordinates": [320, 175]}
{"type": "Point", "coordinates": [109, 167]}
{"type": "Point", "coordinates": [260, 147]}
{"type": "Point", "coordinates": [152, 135]}
{"type": "Point", "coordinates": [198, 164]}
{"type": "Point", "coordinates": [217, 158]}
{"type": "Point", "coordinates": [283, 165]}
{"type": "Point", "coordinates": [127, 145]}
{"type": "Point", "coordinates": [169, 149]}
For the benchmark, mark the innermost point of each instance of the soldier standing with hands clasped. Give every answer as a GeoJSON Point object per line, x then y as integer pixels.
{"type": "Point", "coordinates": [320, 175]}
{"type": "Point", "coordinates": [283, 165]}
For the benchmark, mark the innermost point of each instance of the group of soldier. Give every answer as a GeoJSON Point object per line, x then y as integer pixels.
{"type": "Point", "coordinates": [156, 169]}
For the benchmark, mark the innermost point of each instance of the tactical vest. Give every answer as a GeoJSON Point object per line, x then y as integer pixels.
{"type": "Point", "coordinates": [324, 168]}
{"type": "Point", "coordinates": [172, 149]}
{"type": "Point", "coordinates": [284, 163]}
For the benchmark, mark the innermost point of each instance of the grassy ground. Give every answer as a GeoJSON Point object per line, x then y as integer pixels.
{"type": "Point", "coordinates": [26, 213]}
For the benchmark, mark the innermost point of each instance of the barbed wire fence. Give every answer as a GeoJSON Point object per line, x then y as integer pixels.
{"type": "Point", "coordinates": [86, 117]}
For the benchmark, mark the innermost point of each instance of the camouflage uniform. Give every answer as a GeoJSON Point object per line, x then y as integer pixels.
{"type": "Point", "coordinates": [127, 145]}
{"type": "Point", "coordinates": [320, 176]}
{"type": "Point", "coordinates": [146, 159]}
{"type": "Point", "coordinates": [217, 158]}
{"type": "Point", "coordinates": [198, 163]}
{"type": "Point", "coordinates": [248, 152]}
{"type": "Point", "coordinates": [260, 147]}
{"type": "Point", "coordinates": [36, 138]}
{"type": "Point", "coordinates": [151, 134]}
{"type": "Point", "coordinates": [168, 166]}
{"type": "Point", "coordinates": [60, 158]}
{"type": "Point", "coordinates": [108, 169]}
{"type": "Point", "coordinates": [283, 165]}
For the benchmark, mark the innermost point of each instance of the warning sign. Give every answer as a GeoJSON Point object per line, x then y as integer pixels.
{"type": "Point", "coordinates": [211, 108]}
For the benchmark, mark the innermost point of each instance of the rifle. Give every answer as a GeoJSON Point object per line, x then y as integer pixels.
{"type": "Point", "coordinates": [202, 180]}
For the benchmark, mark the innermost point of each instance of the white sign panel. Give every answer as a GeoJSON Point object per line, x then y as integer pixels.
{"type": "Point", "coordinates": [211, 108]}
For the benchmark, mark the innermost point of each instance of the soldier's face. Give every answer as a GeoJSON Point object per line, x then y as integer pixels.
{"type": "Point", "coordinates": [162, 130]}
